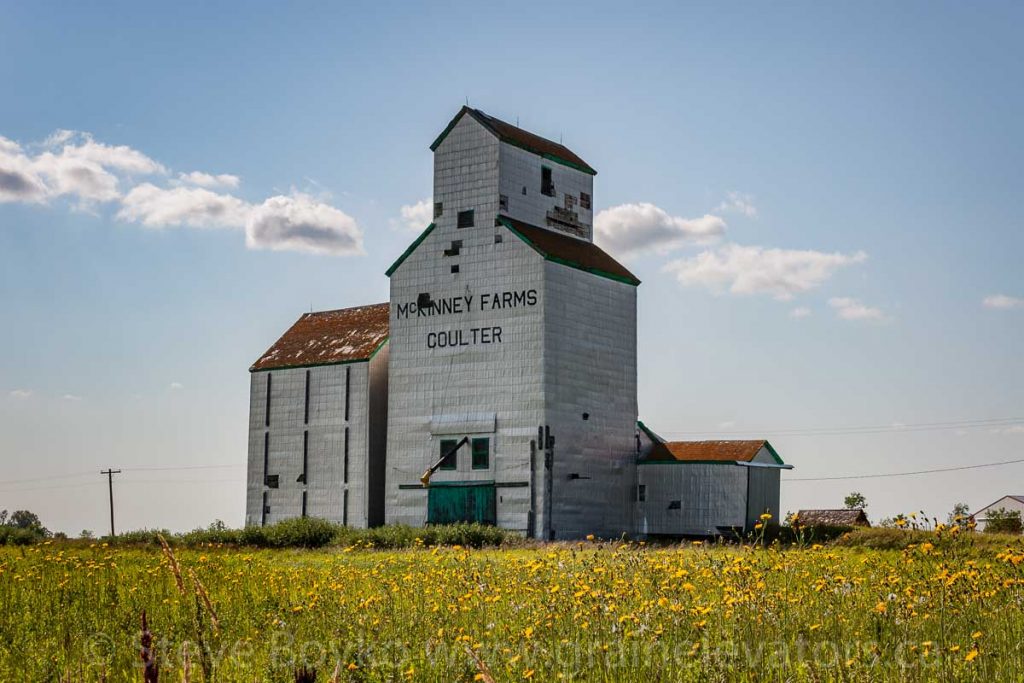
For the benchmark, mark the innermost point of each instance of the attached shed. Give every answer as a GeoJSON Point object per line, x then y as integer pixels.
{"type": "Point", "coordinates": [704, 488]}
{"type": "Point", "coordinates": [837, 517]}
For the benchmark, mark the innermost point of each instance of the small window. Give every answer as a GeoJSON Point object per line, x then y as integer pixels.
{"type": "Point", "coordinates": [497, 239]}
{"type": "Point", "coordinates": [524, 189]}
{"type": "Point", "coordinates": [641, 493]}
{"type": "Point", "coordinates": [547, 185]}
{"type": "Point", "coordinates": [503, 202]}
{"type": "Point", "coordinates": [271, 481]}
{"type": "Point", "coordinates": [570, 201]}
{"type": "Point", "coordinates": [584, 200]}
{"type": "Point", "coordinates": [455, 268]}
{"type": "Point", "coordinates": [465, 219]}
{"type": "Point", "coordinates": [438, 209]}
{"type": "Point", "coordinates": [481, 454]}
{"type": "Point", "coordinates": [675, 505]}
{"type": "Point", "coordinates": [451, 462]}
{"type": "Point", "coordinates": [454, 249]}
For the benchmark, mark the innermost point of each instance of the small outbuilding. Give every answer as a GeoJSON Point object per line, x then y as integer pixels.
{"type": "Point", "coordinates": [1006, 504]}
{"type": "Point", "coordinates": [837, 517]}
{"type": "Point", "coordinates": [704, 488]}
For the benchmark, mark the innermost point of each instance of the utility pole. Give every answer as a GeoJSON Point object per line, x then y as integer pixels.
{"type": "Point", "coordinates": [110, 485]}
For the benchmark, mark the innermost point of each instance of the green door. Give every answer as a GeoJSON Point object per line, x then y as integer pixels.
{"type": "Point", "coordinates": [452, 502]}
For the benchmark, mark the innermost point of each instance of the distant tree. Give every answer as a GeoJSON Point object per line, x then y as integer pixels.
{"type": "Point", "coordinates": [3, 518]}
{"type": "Point", "coordinates": [1004, 522]}
{"type": "Point", "coordinates": [855, 501]}
{"type": "Point", "coordinates": [86, 534]}
{"type": "Point", "coordinates": [960, 516]}
{"type": "Point", "coordinates": [24, 519]}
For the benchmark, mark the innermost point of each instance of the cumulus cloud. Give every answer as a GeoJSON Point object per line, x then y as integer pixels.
{"type": "Point", "coordinates": [301, 223]}
{"type": "Point", "coordinates": [852, 309]}
{"type": "Point", "coordinates": [209, 180]}
{"type": "Point", "coordinates": [415, 217]}
{"type": "Point", "coordinates": [737, 202]}
{"type": "Point", "coordinates": [1002, 301]}
{"type": "Point", "coordinates": [780, 273]}
{"type": "Point", "coordinates": [630, 229]}
{"type": "Point", "coordinates": [157, 207]}
{"type": "Point", "coordinates": [73, 164]}
{"type": "Point", "coordinates": [20, 393]}
{"type": "Point", "coordinates": [800, 312]}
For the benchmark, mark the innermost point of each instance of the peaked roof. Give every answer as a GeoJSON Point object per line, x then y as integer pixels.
{"type": "Point", "coordinates": [837, 517]}
{"type": "Point", "coordinates": [328, 338]}
{"type": "Point", "coordinates": [518, 137]}
{"type": "Point", "coordinates": [570, 251]}
{"type": "Point", "coordinates": [710, 451]}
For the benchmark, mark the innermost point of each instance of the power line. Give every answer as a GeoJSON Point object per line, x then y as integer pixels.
{"type": "Point", "coordinates": [127, 469]}
{"type": "Point", "coordinates": [908, 474]}
{"type": "Point", "coordinates": [863, 429]}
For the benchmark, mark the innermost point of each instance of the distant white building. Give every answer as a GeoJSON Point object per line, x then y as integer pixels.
{"type": "Point", "coordinates": [1006, 503]}
{"type": "Point", "coordinates": [502, 375]}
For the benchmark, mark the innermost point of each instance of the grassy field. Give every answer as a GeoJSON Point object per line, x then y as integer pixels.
{"type": "Point", "coordinates": [940, 609]}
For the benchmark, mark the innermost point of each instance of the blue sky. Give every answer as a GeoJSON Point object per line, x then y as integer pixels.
{"type": "Point", "coordinates": [857, 161]}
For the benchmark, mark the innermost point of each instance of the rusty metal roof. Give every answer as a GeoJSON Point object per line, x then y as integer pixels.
{"type": "Point", "coordinates": [328, 338]}
{"type": "Point", "coordinates": [524, 139]}
{"type": "Point", "coordinates": [838, 517]}
{"type": "Point", "coordinates": [708, 451]}
{"type": "Point", "coordinates": [570, 251]}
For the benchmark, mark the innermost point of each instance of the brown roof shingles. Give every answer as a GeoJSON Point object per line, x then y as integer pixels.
{"type": "Point", "coordinates": [706, 451]}
{"type": "Point", "coordinates": [838, 517]}
{"type": "Point", "coordinates": [328, 338]}
{"type": "Point", "coordinates": [571, 251]}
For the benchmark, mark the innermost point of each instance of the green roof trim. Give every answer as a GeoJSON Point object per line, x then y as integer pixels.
{"type": "Point", "coordinates": [650, 434]}
{"type": "Point", "coordinates": [412, 247]}
{"type": "Point", "coordinates": [276, 368]}
{"type": "Point", "coordinates": [774, 453]}
{"type": "Point", "coordinates": [566, 262]}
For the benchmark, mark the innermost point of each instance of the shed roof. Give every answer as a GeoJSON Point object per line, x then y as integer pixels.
{"type": "Point", "coordinates": [837, 517]}
{"type": "Point", "coordinates": [570, 251]}
{"type": "Point", "coordinates": [524, 139]}
{"type": "Point", "coordinates": [328, 338]}
{"type": "Point", "coordinates": [710, 451]}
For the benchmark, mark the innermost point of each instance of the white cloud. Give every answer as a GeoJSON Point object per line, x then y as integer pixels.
{"type": "Point", "coordinates": [635, 228]}
{"type": "Point", "coordinates": [1002, 301]}
{"type": "Point", "coordinates": [800, 312]}
{"type": "Point", "coordinates": [301, 223]}
{"type": "Point", "coordinates": [20, 393]}
{"type": "Point", "coordinates": [781, 273]}
{"type": "Point", "coordinates": [737, 202]}
{"type": "Point", "coordinates": [71, 397]}
{"type": "Point", "coordinates": [416, 217]}
{"type": "Point", "coordinates": [156, 207]}
{"type": "Point", "coordinates": [1013, 429]}
{"type": "Point", "coordinates": [852, 309]}
{"type": "Point", "coordinates": [209, 180]}
{"type": "Point", "coordinates": [19, 179]}
{"type": "Point", "coordinates": [177, 385]}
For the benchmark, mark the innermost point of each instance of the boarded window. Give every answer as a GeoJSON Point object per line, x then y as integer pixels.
{"type": "Point", "coordinates": [438, 209]}
{"type": "Point", "coordinates": [451, 462]}
{"type": "Point", "coordinates": [481, 454]}
{"type": "Point", "coordinates": [547, 185]}
{"type": "Point", "coordinates": [584, 200]}
{"type": "Point", "coordinates": [465, 219]}
{"type": "Point", "coordinates": [271, 481]}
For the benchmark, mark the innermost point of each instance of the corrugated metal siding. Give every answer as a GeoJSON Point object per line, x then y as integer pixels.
{"type": "Point", "coordinates": [762, 494]}
{"type": "Point", "coordinates": [378, 436]}
{"type": "Point", "coordinates": [711, 496]}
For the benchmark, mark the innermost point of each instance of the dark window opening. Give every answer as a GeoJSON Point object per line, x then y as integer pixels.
{"type": "Point", "coordinates": [348, 385]}
{"type": "Point", "coordinates": [524, 189]}
{"type": "Point", "coordinates": [345, 470]}
{"type": "Point", "coordinates": [481, 454]}
{"type": "Point", "coordinates": [586, 416]}
{"type": "Point", "coordinates": [675, 505]}
{"type": "Point", "coordinates": [303, 503]}
{"type": "Point", "coordinates": [455, 268]}
{"type": "Point", "coordinates": [454, 249]}
{"type": "Point", "coordinates": [641, 493]}
{"type": "Point", "coordinates": [465, 219]}
{"type": "Point", "coordinates": [266, 419]}
{"type": "Point", "coordinates": [584, 200]}
{"type": "Point", "coordinates": [450, 462]}
{"type": "Point", "coordinates": [503, 202]}
{"type": "Point", "coordinates": [438, 209]}
{"type": "Point", "coordinates": [271, 481]}
{"type": "Point", "coordinates": [547, 185]}
{"type": "Point", "coordinates": [306, 418]}
{"type": "Point", "coordinates": [497, 239]}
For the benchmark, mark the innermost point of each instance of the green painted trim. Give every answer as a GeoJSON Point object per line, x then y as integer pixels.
{"type": "Point", "coordinates": [379, 347]}
{"type": "Point", "coordinates": [316, 365]}
{"type": "Point", "coordinates": [775, 454]}
{"type": "Point", "coordinates": [566, 262]}
{"type": "Point", "coordinates": [412, 247]}
{"type": "Point", "coordinates": [508, 141]}
{"type": "Point", "coordinates": [687, 462]}
{"type": "Point", "coordinates": [650, 434]}
{"type": "Point", "coordinates": [497, 485]}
